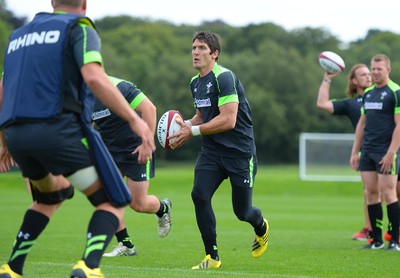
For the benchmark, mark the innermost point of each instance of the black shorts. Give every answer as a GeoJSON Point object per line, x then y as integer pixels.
{"type": "Point", "coordinates": [48, 147]}
{"type": "Point", "coordinates": [131, 168]}
{"type": "Point", "coordinates": [240, 171]}
{"type": "Point", "coordinates": [370, 162]}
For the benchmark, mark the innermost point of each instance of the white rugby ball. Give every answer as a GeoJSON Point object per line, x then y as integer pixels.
{"type": "Point", "coordinates": [331, 62]}
{"type": "Point", "coordinates": [167, 126]}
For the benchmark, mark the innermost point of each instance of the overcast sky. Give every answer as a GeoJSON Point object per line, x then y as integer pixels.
{"type": "Point", "coordinates": [349, 20]}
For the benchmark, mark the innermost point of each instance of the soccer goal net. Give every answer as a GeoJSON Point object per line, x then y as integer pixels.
{"type": "Point", "coordinates": [326, 156]}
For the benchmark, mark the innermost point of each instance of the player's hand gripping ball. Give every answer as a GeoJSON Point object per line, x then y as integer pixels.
{"type": "Point", "coordinates": [167, 126]}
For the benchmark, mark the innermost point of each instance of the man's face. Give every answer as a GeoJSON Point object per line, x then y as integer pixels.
{"type": "Point", "coordinates": [362, 78]}
{"type": "Point", "coordinates": [202, 57]}
{"type": "Point", "coordinates": [380, 72]}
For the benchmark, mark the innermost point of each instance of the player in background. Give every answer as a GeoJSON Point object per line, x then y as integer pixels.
{"type": "Point", "coordinates": [228, 150]}
{"type": "Point", "coordinates": [378, 137]}
{"type": "Point", "coordinates": [358, 80]}
{"type": "Point", "coordinates": [46, 143]}
{"type": "Point", "coordinates": [121, 142]}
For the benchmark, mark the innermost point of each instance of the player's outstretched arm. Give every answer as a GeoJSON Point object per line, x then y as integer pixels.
{"type": "Point", "coordinates": [323, 100]}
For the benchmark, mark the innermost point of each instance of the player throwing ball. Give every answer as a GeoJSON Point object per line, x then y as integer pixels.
{"type": "Point", "coordinates": [227, 151]}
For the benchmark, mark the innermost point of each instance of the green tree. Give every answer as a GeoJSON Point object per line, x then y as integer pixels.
{"type": "Point", "coordinates": [279, 70]}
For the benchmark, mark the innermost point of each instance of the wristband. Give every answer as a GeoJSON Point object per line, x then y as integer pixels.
{"type": "Point", "coordinates": [188, 122]}
{"type": "Point", "coordinates": [196, 130]}
{"type": "Point", "coordinates": [327, 80]}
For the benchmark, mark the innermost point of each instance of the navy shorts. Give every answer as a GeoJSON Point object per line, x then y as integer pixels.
{"type": "Point", "coordinates": [48, 147]}
{"type": "Point", "coordinates": [370, 162]}
{"type": "Point", "coordinates": [240, 171]}
{"type": "Point", "coordinates": [131, 168]}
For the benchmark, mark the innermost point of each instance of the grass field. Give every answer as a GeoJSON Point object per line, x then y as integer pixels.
{"type": "Point", "coordinates": [311, 228]}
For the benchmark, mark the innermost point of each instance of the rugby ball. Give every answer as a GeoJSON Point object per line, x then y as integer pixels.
{"type": "Point", "coordinates": [331, 62]}
{"type": "Point", "coordinates": [167, 126]}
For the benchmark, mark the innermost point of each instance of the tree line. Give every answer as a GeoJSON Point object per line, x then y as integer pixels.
{"type": "Point", "coordinates": [278, 68]}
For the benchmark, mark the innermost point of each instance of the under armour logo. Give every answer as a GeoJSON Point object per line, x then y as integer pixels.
{"type": "Point", "coordinates": [246, 181]}
{"type": "Point", "coordinates": [23, 235]}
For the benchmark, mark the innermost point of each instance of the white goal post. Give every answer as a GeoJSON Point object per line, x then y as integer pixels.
{"type": "Point", "coordinates": [326, 156]}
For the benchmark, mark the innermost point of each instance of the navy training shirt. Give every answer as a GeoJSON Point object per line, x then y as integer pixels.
{"type": "Point", "coordinates": [217, 88]}
{"type": "Point", "coordinates": [116, 132]}
{"type": "Point", "coordinates": [379, 106]}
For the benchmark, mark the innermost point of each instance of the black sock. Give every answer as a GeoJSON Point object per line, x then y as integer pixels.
{"type": "Point", "coordinates": [163, 209]}
{"type": "Point", "coordinates": [33, 224]}
{"type": "Point", "coordinates": [123, 236]}
{"type": "Point", "coordinates": [212, 250]}
{"type": "Point", "coordinates": [211, 247]}
{"type": "Point", "coordinates": [102, 227]}
{"type": "Point", "coordinates": [393, 211]}
{"type": "Point", "coordinates": [261, 228]}
{"type": "Point", "coordinates": [376, 217]}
